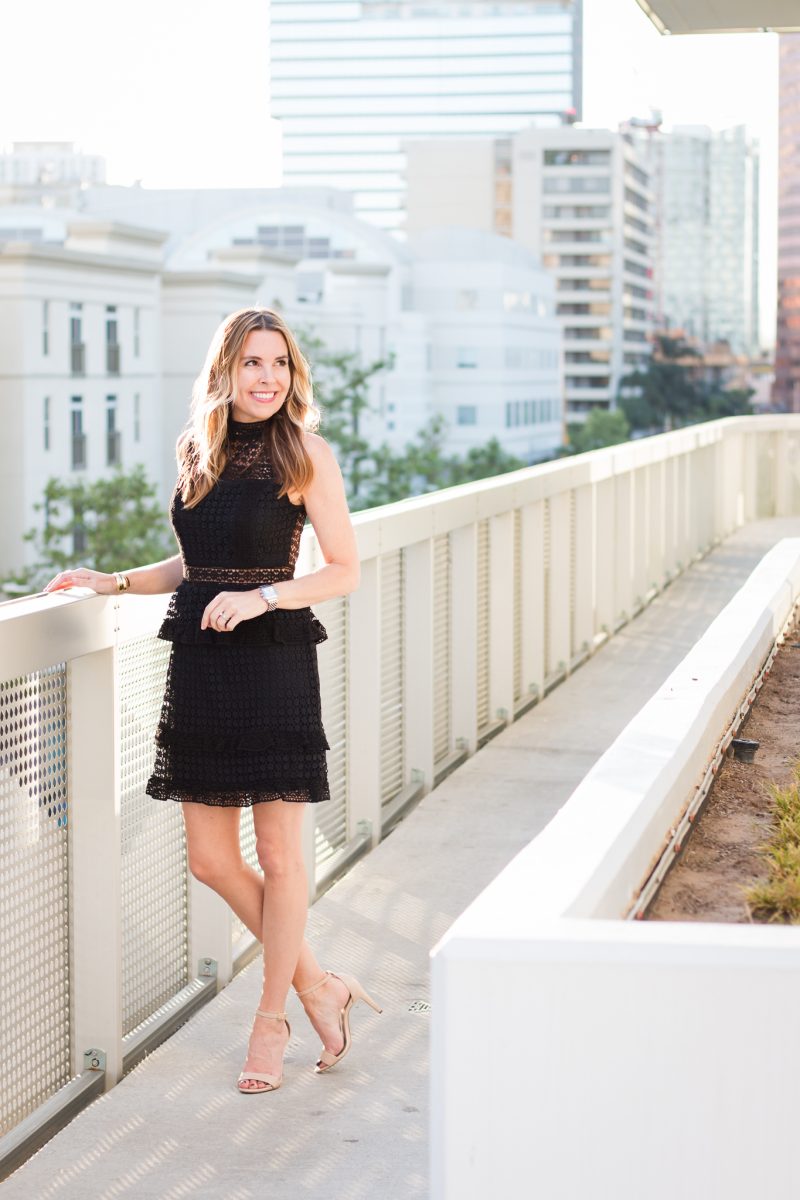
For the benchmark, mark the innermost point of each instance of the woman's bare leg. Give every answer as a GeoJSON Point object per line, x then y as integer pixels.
{"type": "Point", "coordinates": [278, 826]}
{"type": "Point", "coordinates": [215, 858]}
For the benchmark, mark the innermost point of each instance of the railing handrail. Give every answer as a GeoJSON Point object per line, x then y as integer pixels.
{"type": "Point", "coordinates": [517, 487]}
{"type": "Point", "coordinates": [590, 465]}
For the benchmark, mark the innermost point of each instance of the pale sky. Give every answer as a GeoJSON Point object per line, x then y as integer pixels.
{"type": "Point", "coordinates": [174, 93]}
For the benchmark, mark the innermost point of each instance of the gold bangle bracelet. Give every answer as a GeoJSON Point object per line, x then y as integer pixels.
{"type": "Point", "coordinates": [123, 582]}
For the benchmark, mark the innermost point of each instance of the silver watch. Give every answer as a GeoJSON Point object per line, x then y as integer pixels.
{"type": "Point", "coordinates": [269, 596]}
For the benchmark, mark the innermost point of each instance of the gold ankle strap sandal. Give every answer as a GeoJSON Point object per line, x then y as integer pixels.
{"type": "Point", "coordinates": [314, 986]}
{"type": "Point", "coordinates": [274, 1081]}
{"type": "Point", "coordinates": [357, 992]}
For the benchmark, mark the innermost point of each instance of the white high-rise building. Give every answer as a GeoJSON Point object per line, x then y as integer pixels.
{"type": "Point", "coordinates": [352, 81]}
{"type": "Point", "coordinates": [579, 199]}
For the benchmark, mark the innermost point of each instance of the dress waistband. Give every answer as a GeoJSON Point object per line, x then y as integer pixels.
{"type": "Point", "coordinates": [246, 575]}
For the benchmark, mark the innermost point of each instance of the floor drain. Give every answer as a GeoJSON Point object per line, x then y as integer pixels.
{"type": "Point", "coordinates": [419, 1006]}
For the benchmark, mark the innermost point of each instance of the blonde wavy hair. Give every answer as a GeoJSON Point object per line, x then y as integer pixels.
{"type": "Point", "coordinates": [201, 447]}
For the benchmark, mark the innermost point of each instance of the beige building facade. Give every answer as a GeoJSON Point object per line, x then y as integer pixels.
{"type": "Point", "coordinates": [580, 201]}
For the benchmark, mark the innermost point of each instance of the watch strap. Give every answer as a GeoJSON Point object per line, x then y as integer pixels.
{"type": "Point", "coordinates": [269, 596]}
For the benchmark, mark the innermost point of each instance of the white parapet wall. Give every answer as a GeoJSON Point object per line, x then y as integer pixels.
{"type": "Point", "coordinates": [577, 1055]}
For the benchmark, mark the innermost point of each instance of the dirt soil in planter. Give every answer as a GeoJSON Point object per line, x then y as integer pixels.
{"type": "Point", "coordinates": [720, 858]}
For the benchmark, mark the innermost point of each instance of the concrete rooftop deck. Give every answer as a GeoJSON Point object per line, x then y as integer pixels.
{"type": "Point", "coordinates": [176, 1127]}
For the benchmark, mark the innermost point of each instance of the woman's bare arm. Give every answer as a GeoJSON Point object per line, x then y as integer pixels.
{"type": "Point", "coordinates": [326, 504]}
{"type": "Point", "coordinates": [157, 577]}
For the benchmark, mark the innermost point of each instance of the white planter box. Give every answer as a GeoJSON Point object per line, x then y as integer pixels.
{"type": "Point", "coordinates": [580, 1056]}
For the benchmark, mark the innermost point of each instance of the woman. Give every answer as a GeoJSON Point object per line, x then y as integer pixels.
{"type": "Point", "coordinates": [241, 724]}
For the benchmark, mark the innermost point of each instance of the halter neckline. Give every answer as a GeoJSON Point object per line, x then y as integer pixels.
{"type": "Point", "coordinates": [247, 428]}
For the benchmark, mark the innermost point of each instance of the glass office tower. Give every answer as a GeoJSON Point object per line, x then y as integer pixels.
{"type": "Point", "coordinates": [351, 81]}
{"type": "Point", "coordinates": [707, 201]}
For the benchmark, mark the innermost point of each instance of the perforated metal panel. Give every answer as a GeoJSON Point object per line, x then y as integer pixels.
{"type": "Point", "coordinates": [442, 731]}
{"type": "Point", "coordinates": [573, 573]}
{"type": "Point", "coordinates": [155, 962]}
{"type": "Point", "coordinates": [546, 622]}
{"type": "Point", "coordinates": [331, 817]}
{"type": "Point", "coordinates": [482, 585]}
{"type": "Point", "coordinates": [392, 641]}
{"type": "Point", "coordinates": [35, 1008]}
{"type": "Point", "coordinates": [709, 467]}
{"type": "Point", "coordinates": [697, 510]}
{"type": "Point", "coordinates": [517, 599]}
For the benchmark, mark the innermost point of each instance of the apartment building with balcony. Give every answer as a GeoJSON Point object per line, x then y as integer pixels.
{"type": "Point", "coordinates": [580, 201]}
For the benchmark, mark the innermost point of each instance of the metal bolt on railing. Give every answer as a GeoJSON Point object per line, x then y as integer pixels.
{"type": "Point", "coordinates": [364, 828]}
{"type": "Point", "coordinates": [94, 1060]}
{"type": "Point", "coordinates": [501, 714]}
{"type": "Point", "coordinates": [207, 968]}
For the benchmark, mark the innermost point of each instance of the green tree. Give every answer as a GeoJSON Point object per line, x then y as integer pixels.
{"type": "Point", "coordinates": [423, 467]}
{"type": "Point", "coordinates": [733, 403]}
{"type": "Point", "coordinates": [379, 474]}
{"type": "Point", "coordinates": [668, 394]}
{"type": "Point", "coordinates": [601, 428]}
{"type": "Point", "coordinates": [341, 391]}
{"type": "Point", "coordinates": [118, 520]}
{"type": "Point", "coordinates": [483, 461]}
{"type": "Point", "coordinates": [665, 394]}
{"type": "Point", "coordinates": [420, 467]}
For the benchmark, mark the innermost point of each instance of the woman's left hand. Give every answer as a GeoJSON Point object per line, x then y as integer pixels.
{"type": "Point", "coordinates": [227, 609]}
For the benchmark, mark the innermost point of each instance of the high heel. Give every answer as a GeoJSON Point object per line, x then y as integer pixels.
{"type": "Point", "coordinates": [274, 1081]}
{"type": "Point", "coordinates": [327, 1060]}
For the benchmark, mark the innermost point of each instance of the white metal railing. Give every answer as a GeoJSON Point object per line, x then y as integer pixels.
{"type": "Point", "coordinates": [473, 602]}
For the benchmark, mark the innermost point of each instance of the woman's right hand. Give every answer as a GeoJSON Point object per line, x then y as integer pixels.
{"type": "Point", "coordinates": [98, 581]}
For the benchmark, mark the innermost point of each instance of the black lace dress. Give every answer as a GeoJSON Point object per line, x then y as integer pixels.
{"type": "Point", "coordinates": [241, 720]}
